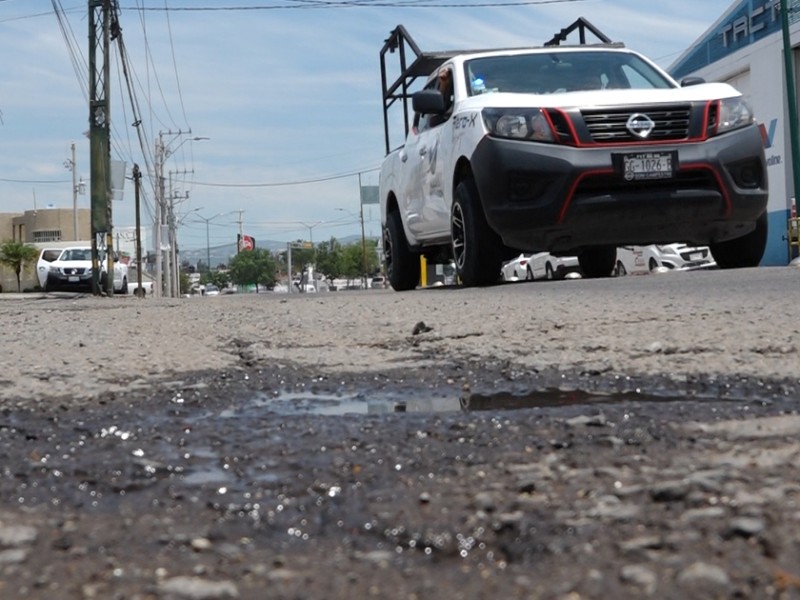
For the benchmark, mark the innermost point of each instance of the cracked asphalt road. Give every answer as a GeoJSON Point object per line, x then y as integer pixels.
{"type": "Point", "coordinates": [148, 451]}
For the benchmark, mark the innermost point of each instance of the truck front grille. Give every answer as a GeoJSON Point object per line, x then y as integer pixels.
{"type": "Point", "coordinates": [609, 125]}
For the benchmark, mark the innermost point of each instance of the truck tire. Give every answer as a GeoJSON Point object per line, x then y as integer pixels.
{"type": "Point", "coordinates": [597, 261]}
{"type": "Point", "coordinates": [477, 250]}
{"type": "Point", "coordinates": [745, 251]}
{"type": "Point", "coordinates": [402, 265]}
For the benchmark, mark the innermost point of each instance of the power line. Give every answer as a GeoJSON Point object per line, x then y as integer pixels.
{"type": "Point", "coordinates": [36, 181]}
{"type": "Point", "coordinates": [299, 5]}
{"type": "Point", "coordinates": [286, 183]}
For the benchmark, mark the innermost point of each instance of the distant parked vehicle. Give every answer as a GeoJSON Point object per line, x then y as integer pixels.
{"type": "Point", "coordinates": [46, 256]}
{"type": "Point", "coordinates": [211, 290]}
{"type": "Point", "coordinates": [541, 265]}
{"type": "Point", "coordinates": [72, 270]}
{"type": "Point", "coordinates": [546, 266]}
{"type": "Point", "coordinates": [516, 269]}
{"type": "Point", "coordinates": [673, 257]}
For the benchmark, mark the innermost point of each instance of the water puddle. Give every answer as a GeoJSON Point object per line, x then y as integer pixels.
{"type": "Point", "coordinates": [344, 404]}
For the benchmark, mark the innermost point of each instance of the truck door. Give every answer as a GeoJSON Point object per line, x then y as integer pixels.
{"type": "Point", "coordinates": [413, 157]}
{"type": "Point", "coordinates": [430, 150]}
{"type": "Point", "coordinates": [437, 214]}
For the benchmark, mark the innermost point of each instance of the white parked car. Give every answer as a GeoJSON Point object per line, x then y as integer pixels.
{"type": "Point", "coordinates": [542, 265]}
{"type": "Point", "coordinates": [546, 266]}
{"type": "Point", "coordinates": [378, 282]}
{"type": "Point", "coordinates": [72, 270]}
{"type": "Point", "coordinates": [46, 256]}
{"type": "Point", "coordinates": [516, 269]}
{"type": "Point", "coordinates": [655, 257]}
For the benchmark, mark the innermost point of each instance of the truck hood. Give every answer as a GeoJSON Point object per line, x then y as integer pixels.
{"type": "Point", "coordinates": [694, 93]}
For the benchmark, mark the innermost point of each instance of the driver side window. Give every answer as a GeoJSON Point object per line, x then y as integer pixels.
{"type": "Point", "coordinates": [443, 82]}
{"type": "Point", "coordinates": [422, 121]}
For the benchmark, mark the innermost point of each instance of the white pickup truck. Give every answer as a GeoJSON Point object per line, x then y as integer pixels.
{"type": "Point", "coordinates": [572, 150]}
{"type": "Point", "coordinates": [70, 268]}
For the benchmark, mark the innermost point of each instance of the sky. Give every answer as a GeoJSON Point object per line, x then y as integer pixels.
{"type": "Point", "coordinates": [270, 111]}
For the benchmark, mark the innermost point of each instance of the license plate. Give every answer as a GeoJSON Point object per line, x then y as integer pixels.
{"type": "Point", "coordinates": [72, 278]}
{"type": "Point", "coordinates": [648, 165]}
{"type": "Point", "coordinates": [696, 256]}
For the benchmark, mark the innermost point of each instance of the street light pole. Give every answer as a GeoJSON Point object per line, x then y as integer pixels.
{"type": "Point", "coordinates": [158, 289]}
{"type": "Point", "coordinates": [71, 166]}
{"type": "Point", "coordinates": [310, 227]}
{"type": "Point", "coordinates": [207, 221]}
{"type": "Point", "coordinates": [363, 237]}
{"type": "Point", "coordinates": [162, 153]}
{"type": "Point", "coordinates": [208, 246]}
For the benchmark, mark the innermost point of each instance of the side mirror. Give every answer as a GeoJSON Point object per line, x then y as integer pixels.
{"type": "Point", "coordinates": [428, 102]}
{"type": "Point", "coordinates": [688, 81]}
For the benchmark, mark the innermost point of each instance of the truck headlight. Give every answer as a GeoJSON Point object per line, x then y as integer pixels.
{"type": "Point", "coordinates": [734, 113]}
{"type": "Point", "coordinates": [518, 123]}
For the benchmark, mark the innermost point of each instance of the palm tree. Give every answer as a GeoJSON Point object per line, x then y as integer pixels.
{"type": "Point", "coordinates": [15, 255]}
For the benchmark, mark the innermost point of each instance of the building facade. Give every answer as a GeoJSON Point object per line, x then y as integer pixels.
{"type": "Point", "coordinates": [46, 225]}
{"type": "Point", "coordinates": [744, 47]}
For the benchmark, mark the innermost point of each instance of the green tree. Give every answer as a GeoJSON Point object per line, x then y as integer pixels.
{"type": "Point", "coordinates": [329, 259]}
{"type": "Point", "coordinates": [16, 255]}
{"type": "Point", "coordinates": [218, 278]}
{"type": "Point", "coordinates": [354, 257]}
{"type": "Point", "coordinates": [185, 282]}
{"type": "Point", "coordinates": [254, 267]}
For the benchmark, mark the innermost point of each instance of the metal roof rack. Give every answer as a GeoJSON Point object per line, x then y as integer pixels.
{"type": "Point", "coordinates": [581, 25]}
{"type": "Point", "coordinates": [422, 64]}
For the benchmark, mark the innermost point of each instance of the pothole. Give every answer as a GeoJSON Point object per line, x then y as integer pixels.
{"type": "Point", "coordinates": [305, 403]}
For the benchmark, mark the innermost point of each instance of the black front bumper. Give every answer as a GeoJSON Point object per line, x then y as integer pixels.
{"type": "Point", "coordinates": [550, 197]}
{"type": "Point", "coordinates": [59, 281]}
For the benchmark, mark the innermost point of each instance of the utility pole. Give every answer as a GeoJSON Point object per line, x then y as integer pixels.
{"type": "Point", "coordinates": [167, 218]}
{"type": "Point", "coordinates": [240, 239]}
{"type": "Point", "coordinates": [165, 215]}
{"type": "Point", "coordinates": [100, 35]}
{"type": "Point", "coordinates": [791, 96]}
{"type": "Point", "coordinates": [175, 287]}
{"type": "Point", "coordinates": [159, 210]}
{"type": "Point", "coordinates": [363, 237]}
{"type": "Point", "coordinates": [74, 195]}
{"type": "Point", "coordinates": [137, 180]}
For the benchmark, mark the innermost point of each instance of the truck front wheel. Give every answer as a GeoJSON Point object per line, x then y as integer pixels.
{"type": "Point", "coordinates": [597, 261]}
{"type": "Point", "coordinates": [477, 250]}
{"type": "Point", "coordinates": [745, 251]}
{"type": "Point", "coordinates": [402, 265]}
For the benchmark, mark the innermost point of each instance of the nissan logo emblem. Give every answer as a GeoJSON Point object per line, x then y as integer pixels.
{"type": "Point", "coordinates": [640, 125]}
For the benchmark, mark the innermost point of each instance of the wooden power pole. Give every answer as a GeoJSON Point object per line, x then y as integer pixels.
{"type": "Point", "coordinates": [100, 140]}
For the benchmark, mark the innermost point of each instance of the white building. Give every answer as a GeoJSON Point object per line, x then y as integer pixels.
{"type": "Point", "coordinates": [744, 47]}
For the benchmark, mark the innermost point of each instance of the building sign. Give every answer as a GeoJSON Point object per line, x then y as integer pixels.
{"type": "Point", "coordinates": [246, 243]}
{"type": "Point", "coordinates": [758, 19]}
{"type": "Point", "coordinates": [369, 194]}
{"type": "Point", "coordinates": [748, 22]}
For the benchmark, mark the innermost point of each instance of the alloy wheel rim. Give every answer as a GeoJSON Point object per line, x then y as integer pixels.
{"type": "Point", "coordinates": [459, 244]}
{"type": "Point", "coordinates": [387, 250]}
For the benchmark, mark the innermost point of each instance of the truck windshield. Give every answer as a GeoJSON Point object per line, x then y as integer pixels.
{"type": "Point", "coordinates": [557, 72]}
{"type": "Point", "coordinates": [76, 254]}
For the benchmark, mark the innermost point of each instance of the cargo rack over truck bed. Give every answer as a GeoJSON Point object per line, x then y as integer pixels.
{"type": "Point", "coordinates": [425, 63]}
